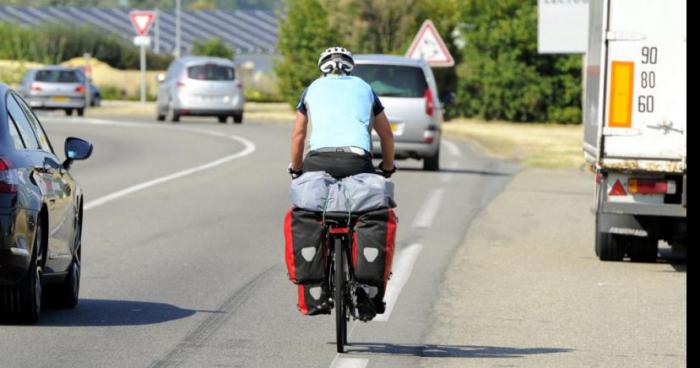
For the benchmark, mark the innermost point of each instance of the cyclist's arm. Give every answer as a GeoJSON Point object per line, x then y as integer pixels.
{"type": "Point", "coordinates": [298, 138]}
{"type": "Point", "coordinates": [386, 137]}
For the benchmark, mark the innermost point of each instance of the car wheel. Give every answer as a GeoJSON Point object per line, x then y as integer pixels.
{"type": "Point", "coordinates": [222, 118]}
{"type": "Point", "coordinates": [23, 301]}
{"type": "Point", "coordinates": [642, 249]}
{"type": "Point", "coordinates": [159, 116]}
{"type": "Point", "coordinates": [69, 112]}
{"type": "Point", "coordinates": [65, 294]}
{"type": "Point", "coordinates": [238, 118]}
{"type": "Point", "coordinates": [432, 163]}
{"type": "Point", "coordinates": [81, 112]}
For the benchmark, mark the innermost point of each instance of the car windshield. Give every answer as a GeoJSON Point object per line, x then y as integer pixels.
{"type": "Point", "coordinates": [56, 76]}
{"type": "Point", "coordinates": [393, 80]}
{"type": "Point", "coordinates": [211, 72]}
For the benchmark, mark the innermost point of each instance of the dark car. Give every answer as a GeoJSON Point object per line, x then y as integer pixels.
{"type": "Point", "coordinates": [41, 214]}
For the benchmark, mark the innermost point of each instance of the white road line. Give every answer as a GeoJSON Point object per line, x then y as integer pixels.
{"type": "Point", "coordinates": [427, 213]}
{"type": "Point", "coordinates": [249, 147]}
{"type": "Point", "coordinates": [339, 362]}
{"type": "Point", "coordinates": [452, 148]}
{"type": "Point", "coordinates": [400, 274]}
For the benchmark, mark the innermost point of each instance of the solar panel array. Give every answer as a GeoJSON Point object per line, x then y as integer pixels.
{"type": "Point", "coordinates": [246, 31]}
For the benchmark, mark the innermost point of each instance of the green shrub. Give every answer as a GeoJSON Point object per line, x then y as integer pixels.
{"type": "Point", "coordinates": [212, 47]}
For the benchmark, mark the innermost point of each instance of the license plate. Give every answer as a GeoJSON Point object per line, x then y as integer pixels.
{"type": "Point", "coordinates": [59, 98]}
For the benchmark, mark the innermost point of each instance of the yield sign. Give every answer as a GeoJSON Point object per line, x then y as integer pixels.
{"type": "Point", "coordinates": [428, 45]}
{"type": "Point", "coordinates": [141, 20]}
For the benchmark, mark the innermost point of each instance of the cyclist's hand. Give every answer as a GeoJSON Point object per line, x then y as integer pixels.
{"type": "Point", "coordinates": [384, 172]}
{"type": "Point", "coordinates": [294, 173]}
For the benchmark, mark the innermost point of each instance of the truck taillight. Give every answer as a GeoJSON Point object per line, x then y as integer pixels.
{"type": "Point", "coordinates": [429, 104]}
{"type": "Point", "coordinates": [651, 186]}
{"type": "Point", "coordinates": [8, 177]}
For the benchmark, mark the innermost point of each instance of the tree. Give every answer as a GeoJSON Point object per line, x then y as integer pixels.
{"type": "Point", "coordinates": [212, 47]}
{"type": "Point", "coordinates": [503, 76]}
{"type": "Point", "coordinates": [303, 35]}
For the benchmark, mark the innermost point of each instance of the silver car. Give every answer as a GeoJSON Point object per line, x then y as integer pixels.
{"type": "Point", "coordinates": [54, 88]}
{"type": "Point", "coordinates": [200, 86]}
{"type": "Point", "coordinates": [407, 89]}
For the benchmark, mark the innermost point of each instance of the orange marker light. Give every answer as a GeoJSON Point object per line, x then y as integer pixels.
{"type": "Point", "coordinates": [621, 94]}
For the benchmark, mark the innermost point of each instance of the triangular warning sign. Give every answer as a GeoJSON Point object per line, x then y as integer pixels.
{"type": "Point", "coordinates": [141, 20]}
{"type": "Point", "coordinates": [428, 45]}
{"type": "Point", "coordinates": [617, 189]}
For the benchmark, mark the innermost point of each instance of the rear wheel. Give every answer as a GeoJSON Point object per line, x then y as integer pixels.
{"type": "Point", "coordinates": [69, 112]}
{"type": "Point", "coordinates": [81, 111]}
{"type": "Point", "coordinates": [23, 301]}
{"type": "Point", "coordinates": [610, 247]}
{"type": "Point", "coordinates": [238, 118]}
{"type": "Point", "coordinates": [172, 115]}
{"type": "Point", "coordinates": [432, 163]}
{"type": "Point", "coordinates": [340, 308]}
{"type": "Point", "coordinates": [222, 118]}
{"type": "Point", "coordinates": [642, 249]}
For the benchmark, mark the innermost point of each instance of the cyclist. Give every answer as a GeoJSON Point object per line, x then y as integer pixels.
{"type": "Point", "coordinates": [343, 110]}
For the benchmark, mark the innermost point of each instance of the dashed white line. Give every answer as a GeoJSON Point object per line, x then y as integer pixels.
{"type": "Point", "coordinates": [452, 148]}
{"type": "Point", "coordinates": [446, 177]}
{"type": "Point", "coordinates": [400, 274]}
{"type": "Point", "coordinates": [429, 209]}
{"type": "Point", "coordinates": [339, 362]}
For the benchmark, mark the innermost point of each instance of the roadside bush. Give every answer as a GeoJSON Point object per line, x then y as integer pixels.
{"type": "Point", "coordinates": [303, 35]}
{"type": "Point", "coordinates": [55, 42]}
{"type": "Point", "coordinates": [503, 77]}
{"type": "Point", "coordinates": [212, 47]}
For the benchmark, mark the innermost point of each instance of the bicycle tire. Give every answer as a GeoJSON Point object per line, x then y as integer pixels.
{"type": "Point", "coordinates": [340, 313]}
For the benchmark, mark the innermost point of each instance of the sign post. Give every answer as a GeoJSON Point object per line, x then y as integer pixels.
{"type": "Point", "coordinates": [428, 45]}
{"type": "Point", "coordinates": [141, 20]}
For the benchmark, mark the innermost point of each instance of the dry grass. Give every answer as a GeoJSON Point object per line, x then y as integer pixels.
{"type": "Point", "coordinates": [128, 81]}
{"type": "Point", "coordinates": [535, 145]}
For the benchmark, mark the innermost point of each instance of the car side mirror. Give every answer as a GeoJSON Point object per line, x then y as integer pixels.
{"type": "Point", "coordinates": [76, 149]}
{"type": "Point", "coordinates": [160, 77]}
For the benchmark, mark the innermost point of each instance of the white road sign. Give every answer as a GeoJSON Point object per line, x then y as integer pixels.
{"type": "Point", "coordinates": [428, 45]}
{"type": "Point", "coordinates": [141, 20]}
{"type": "Point", "coordinates": [142, 41]}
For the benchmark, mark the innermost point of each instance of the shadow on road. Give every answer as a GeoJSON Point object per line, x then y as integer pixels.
{"type": "Point", "coordinates": [449, 351]}
{"type": "Point", "coordinates": [459, 171]}
{"type": "Point", "coordinates": [101, 312]}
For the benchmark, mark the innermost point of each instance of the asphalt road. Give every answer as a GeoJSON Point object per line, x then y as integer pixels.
{"type": "Point", "coordinates": [183, 252]}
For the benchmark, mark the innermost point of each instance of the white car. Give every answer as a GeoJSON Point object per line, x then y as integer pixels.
{"type": "Point", "coordinates": [200, 86]}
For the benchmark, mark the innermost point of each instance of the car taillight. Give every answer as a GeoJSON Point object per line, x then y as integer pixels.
{"type": "Point", "coordinates": [429, 104]}
{"type": "Point", "coordinates": [35, 87]}
{"type": "Point", "coordinates": [8, 177]}
{"type": "Point", "coordinates": [239, 85]}
{"type": "Point", "coordinates": [180, 83]}
{"type": "Point", "coordinates": [651, 186]}
{"type": "Point", "coordinates": [80, 89]}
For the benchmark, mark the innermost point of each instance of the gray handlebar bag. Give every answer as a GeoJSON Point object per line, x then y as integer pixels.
{"type": "Point", "coordinates": [318, 191]}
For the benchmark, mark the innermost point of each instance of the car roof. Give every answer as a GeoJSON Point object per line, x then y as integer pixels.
{"type": "Point", "coordinates": [190, 60]}
{"type": "Point", "coordinates": [55, 67]}
{"type": "Point", "coordinates": [387, 59]}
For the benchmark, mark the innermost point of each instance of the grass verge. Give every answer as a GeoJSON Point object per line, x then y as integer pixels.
{"type": "Point", "coordinates": [534, 145]}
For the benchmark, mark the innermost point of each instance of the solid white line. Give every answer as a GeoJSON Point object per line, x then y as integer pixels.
{"type": "Point", "coordinates": [339, 362]}
{"type": "Point", "coordinates": [452, 148]}
{"type": "Point", "coordinates": [400, 274]}
{"type": "Point", "coordinates": [427, 213]}
{"type": "Point", "coordinates": [249, 147]}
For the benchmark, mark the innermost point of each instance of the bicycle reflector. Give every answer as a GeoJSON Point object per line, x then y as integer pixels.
{"type": "Point", "coordinates": [9, 180]}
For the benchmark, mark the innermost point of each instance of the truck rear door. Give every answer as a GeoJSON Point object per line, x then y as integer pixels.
{"type": "Point", "coordinates": [645, 95]}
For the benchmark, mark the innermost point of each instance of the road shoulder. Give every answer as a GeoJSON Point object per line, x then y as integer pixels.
{"type": "Point", "coordinates": [526, 289]}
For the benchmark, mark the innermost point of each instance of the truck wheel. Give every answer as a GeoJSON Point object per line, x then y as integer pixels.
{"type": "Point", "coordinates": [609, 247]}
{"type": "Point", "coordinates": [643, 249]}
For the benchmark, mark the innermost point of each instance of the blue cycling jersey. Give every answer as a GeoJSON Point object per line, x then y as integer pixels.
{"type": "Point", "coordinates": [340, 109]}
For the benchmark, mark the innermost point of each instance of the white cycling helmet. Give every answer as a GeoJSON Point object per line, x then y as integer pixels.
{"type": "Point", "coordinates": [336, 59]}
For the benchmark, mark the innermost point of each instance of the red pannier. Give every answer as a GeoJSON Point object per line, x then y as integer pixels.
{"type": "Point", "coordinates": [373, 249]}
{"type": "Point", "coordinates": [309, 299]}
{"type": "Point", "coordinates": [305, 250]}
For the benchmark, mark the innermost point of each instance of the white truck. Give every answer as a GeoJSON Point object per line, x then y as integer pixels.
{"type": "Point", "coordinates": [635, 125]}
